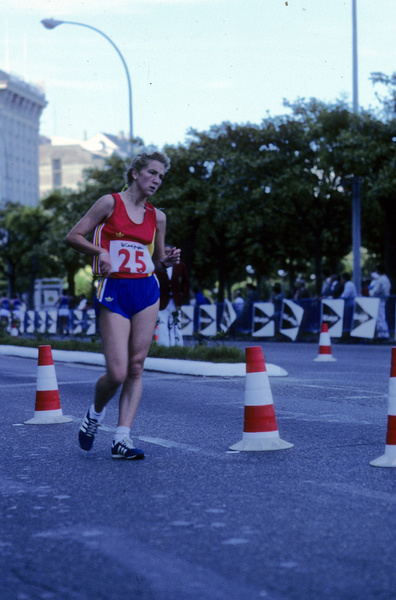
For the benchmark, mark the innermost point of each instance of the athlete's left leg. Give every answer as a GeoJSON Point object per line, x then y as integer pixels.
{"type": "Point", "coordinates": [141, 335]}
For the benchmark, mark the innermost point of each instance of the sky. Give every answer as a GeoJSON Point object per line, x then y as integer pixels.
{"type": "Point", "coordinates": [192, 63]}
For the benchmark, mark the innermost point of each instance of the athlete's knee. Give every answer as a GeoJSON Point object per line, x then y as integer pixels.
{"type": "Point", "coordinates": [116, 375]}
{"type": "Point", "coordinates": [136, 366]}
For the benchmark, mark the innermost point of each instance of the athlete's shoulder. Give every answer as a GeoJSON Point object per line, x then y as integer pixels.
{"type": "Point", "coordinates": [161, 217]}
{"type": "Point", "coordinates": [106, 204]}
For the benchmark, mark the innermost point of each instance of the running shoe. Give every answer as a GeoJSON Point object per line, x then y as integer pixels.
{"type": "Point", "coordinates": [125, 449]}
{"type": "Point", "coordinates": [87, 432]}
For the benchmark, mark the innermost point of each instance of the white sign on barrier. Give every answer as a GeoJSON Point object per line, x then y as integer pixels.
{"type": "Point", "coordinates": [41, 321]}
{"type": "Point", "coordinates": [291, 318]}
{"type": "Point", "coordinates": [78, 316]}
{"type": "Point", "coordinates": [187, 320]}
{"type": "Point", "coordinates": [91, 321]}
{"type": "Point", "coordinates": [207, 319]}
{"type": "Point", "coordinates": [52, 316]}
{"type": "Point", "coordinates": [365, 317]}
{"type": "Point", "coordinates": [263, 319]}
{"type": "Point", "coordinates": [228, 316]}
{"type": "Point", "coordinates": [333, 315]}
{"type": "Point", "coordinates": [30, 321]}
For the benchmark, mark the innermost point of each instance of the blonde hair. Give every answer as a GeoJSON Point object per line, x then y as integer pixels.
{"type": "Point", "coordinates": [141, 160]}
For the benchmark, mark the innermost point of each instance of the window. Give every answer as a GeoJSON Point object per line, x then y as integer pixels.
{"type": "Point", "coordinates": [56, 172]}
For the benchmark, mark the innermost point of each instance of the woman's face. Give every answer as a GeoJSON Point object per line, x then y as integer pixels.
{"type": "Point", "coordinates": [150, 178]}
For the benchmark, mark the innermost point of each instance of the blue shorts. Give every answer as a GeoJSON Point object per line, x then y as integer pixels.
{"type": "Point", "coordinates": [128, 296]}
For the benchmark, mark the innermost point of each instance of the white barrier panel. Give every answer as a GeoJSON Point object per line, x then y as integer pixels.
{"type": "Point", "coordinates": [228, 316]}
{"type": "Point", "coordinates": [207, 319]}
{"type": "Point", "coordinates": [41, 321]}
{"type": "Point", "coordinates": [91, 322]}
{"type": "Point", "coordinates": [187, 320]}
{"type": "Point", "coordinates": [52, 321]}
{"type": "Point", "coordinates": [333, 315]}
{"type": "Point", "coordinates": [263, 319]}
{"type": "Point", "coordinates": [365, 317]}
{"type": "Point", "coordinates": [291, 318]}
{"type": "Point", "coordinates": [77, 321]}
{"type": "Point", "coordinates": [30, 324]}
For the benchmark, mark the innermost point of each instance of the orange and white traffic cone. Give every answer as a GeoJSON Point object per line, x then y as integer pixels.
{"type": "Point", "coordinates": [156, 334]}
{"type": "Point", "coordinates": [260, 430]}
{"type": "Point", "coordinates": [324, 346]}
{"type": "Point", "coordinates": [389, 458]}
{"type": "Point", "coordinates": [48, 408]}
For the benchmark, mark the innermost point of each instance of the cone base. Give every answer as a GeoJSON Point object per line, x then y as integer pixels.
{"type": "Point", "coordinates": [384, 461]}
{"type": "Point", "coordinates": [259, 445]}
{"type": "Point", "coordinates": [325, 358]}
{"type": "Point", "coordinates": [46, 418]}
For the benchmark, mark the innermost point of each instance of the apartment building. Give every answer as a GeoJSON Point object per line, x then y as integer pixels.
{"type": "Point", "coordinates": [21, 105]}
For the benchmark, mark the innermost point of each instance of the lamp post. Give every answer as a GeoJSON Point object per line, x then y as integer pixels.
{"type": "Point", "coordinates": [356, 221]}
{"type": "Point", "coordinates": [52, 23]}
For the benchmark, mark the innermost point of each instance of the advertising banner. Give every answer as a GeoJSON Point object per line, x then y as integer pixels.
{"type": "Point", "coordinates": [333, 315]}
{"type": "Point", "coordinates": [228, 316]}
{"type": "Point", "coordinates": [263, 319]}
{"type": "Point", "coordinates": [365, 317]}
{"type": "Point", "coordinates": [207, 319]}
{"type": "Point", "coordinates": [291, 318]}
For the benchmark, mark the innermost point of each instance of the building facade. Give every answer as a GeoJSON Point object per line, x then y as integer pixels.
{"type": "Point", "coordinates": [21, 105]}
{"type": "Point", "coordinates": [63, 161]}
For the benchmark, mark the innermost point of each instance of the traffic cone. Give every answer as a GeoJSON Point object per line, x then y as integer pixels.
{"type": "Point", "coordinates": [48, 408]}
{"type": "Point", "coordinates": [156, 334]}
{"type": "Point", "coordinates": [324, 346]}
{"type": "Point", "coordinates": [260, 430]}
{"type": "Point", "coordinates": [389, 458]}
{"type": "Point", "coordinates": [14, 330]}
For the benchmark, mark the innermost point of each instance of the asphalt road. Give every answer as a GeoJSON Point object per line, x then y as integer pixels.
{"type": "Point", "coordinates": [194, 520]}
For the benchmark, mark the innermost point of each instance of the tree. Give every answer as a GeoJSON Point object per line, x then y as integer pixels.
{"type": "Point", "coordinates": [25, 252]}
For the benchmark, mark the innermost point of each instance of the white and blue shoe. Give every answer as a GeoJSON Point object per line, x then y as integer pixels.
{"type": "Point", "coordinates": [125, 449]}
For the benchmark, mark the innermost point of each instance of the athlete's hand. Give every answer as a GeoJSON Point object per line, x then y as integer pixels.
{"type": "Point", "coordinates": [105, 263]}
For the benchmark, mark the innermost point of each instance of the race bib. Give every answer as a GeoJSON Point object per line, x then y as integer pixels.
{"type": "Point", "coordinates": [130, 257]}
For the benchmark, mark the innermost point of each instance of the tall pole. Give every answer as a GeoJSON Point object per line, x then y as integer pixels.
{"type": "Point", "coordinates": [51, 23]}
{"type": "Point", "coordinates": [356, 220]}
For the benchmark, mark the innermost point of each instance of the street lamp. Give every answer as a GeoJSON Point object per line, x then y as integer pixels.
{"type": "Point", "coordinates": [356, 220]}
{"type": "Point", "coordinates": [52, 23]}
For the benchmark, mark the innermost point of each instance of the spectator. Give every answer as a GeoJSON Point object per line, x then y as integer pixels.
{"type": "Point", "coordinates": [337, 286]}
{"type": "Point", "coordinates": [5, 308]}
{"type": "Point", "coordinates": [239, 303]}
{"type": "Point", "coordinates": [174, 285]}
{"type": "Point", "coordinates": [300, 291]}
{"type": "Point", "coordinates": [325, 292]}
{"type": "Point", "coordinates": [63, 304]}
{"type": "Point", "coordinates": [348, 294]}
{"type": "Point", "coordinates": [381, 289]}
{"type": "Point", "coordinates": [277, 299]}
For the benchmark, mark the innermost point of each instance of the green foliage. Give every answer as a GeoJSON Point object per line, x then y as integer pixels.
{"type": "Point", "coordinates": [274, 195]}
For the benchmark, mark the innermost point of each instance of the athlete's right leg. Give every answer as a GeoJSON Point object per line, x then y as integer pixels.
{"type": "Point", "coordinates": [115, 331]}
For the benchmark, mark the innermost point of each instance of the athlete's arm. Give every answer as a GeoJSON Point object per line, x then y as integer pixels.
{"type": "Point", "coordinates": [101, 210]}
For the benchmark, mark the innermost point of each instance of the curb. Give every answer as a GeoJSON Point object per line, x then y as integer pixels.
{"type": "Point", "coordinates": [163, 365]}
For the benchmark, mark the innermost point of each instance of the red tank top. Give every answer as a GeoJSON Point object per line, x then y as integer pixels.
{"type": "Point", "coordinates": [129, 244]}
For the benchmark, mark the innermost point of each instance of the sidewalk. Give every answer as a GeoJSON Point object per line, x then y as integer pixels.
{"type": "Point", "coordinates": [163, 365]}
